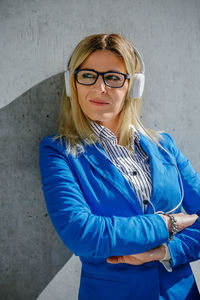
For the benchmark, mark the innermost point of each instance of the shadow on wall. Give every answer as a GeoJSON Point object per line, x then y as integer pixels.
{"type": "Point", "coordinates": [31, 252]}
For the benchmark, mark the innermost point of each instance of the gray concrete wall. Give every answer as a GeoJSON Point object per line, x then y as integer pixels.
{"type": "Point", "coordinates": [36, 39]}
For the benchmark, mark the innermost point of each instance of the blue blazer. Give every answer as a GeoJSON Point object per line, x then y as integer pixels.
{"type": "Point", "coordinates": [97, 214]}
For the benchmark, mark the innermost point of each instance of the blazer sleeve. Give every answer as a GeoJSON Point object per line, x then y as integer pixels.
{"type": "Point", "coordinates": [185, 247]}
{"type": "Point", "coordinates": [83, 232]}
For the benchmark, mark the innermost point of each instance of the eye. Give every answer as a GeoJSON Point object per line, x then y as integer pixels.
{"type": "Point", "coordinates": [88, 75]}
{"type": "Point", "coordinates": [112, 77]}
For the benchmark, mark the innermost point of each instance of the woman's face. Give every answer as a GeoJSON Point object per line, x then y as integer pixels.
{"type": "Point", "coordinates": [98, 101]}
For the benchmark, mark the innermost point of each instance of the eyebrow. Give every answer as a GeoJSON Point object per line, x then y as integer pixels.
{"type": "Point", "coordinates": [115, 71]}
{"type": "Point", "coordinates": [111, 71]}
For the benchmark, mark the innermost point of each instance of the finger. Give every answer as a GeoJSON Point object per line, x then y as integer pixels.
{"type": "Point", "coordinates": [112, 259]}
{"type": "Point", "coordinates": [195, 217]}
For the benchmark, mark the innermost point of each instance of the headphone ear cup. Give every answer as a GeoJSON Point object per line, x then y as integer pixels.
{"type": "Point", "coordinates": [67, 85]}
{"type": "Point", "coordinates": [137, 87]}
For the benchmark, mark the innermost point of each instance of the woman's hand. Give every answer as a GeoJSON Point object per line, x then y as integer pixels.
{"type": "Point", "coordinates": [182, 220]}
{"type": "Point", "coordinates": [157, 253]}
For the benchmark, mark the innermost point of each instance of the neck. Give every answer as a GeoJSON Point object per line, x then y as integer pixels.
{"type": "Point", "coordinates": [112, 126]}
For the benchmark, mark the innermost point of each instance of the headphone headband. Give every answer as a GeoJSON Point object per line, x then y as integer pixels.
{"type": "Point", "coordinates": [139, 55]}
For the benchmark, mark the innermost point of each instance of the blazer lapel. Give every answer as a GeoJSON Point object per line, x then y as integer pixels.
{"type": "Point", "coordinates": [97, 157]}
{"type": "Point", "coordinates": [157, 170]}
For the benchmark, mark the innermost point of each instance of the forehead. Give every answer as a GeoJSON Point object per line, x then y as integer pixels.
{"type": "Point", "coordinates": [103, 61]}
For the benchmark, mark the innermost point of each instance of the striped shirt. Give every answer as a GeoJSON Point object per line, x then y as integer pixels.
{"type": "Point", "coordinates": [134, 165]}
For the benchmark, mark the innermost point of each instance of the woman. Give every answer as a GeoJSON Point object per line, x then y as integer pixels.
{"type": "Point", "coordinates": [112, 187]}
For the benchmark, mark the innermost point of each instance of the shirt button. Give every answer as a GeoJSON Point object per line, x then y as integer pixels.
{"type": "Point", "coordinates": [134, 173]}
{"type": "Point", "coordinates": [145, 202]}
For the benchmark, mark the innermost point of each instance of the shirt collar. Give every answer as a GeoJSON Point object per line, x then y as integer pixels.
{"type": "Point", "coordinates": [104, 133]}
{"type": "Point", "coordinates": [135, 137]}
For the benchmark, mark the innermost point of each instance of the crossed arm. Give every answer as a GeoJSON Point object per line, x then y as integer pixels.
{"type": "Point", "coordinates": [182, 221]}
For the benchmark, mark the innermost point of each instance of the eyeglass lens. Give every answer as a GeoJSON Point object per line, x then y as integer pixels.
{"type": "Point", "coordinates": [112, 79]}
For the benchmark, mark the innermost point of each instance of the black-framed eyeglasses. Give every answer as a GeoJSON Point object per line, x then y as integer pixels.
{"type": "Point", "coordinates": [90, 76]}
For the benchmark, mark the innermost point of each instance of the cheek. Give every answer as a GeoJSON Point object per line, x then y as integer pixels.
{"type": "Point", "coordinates": [81, 92]}
{"type": "Point", "coordinates": [120, 97]}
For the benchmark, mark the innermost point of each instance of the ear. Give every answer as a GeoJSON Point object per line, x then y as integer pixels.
{"type": "Point", "coordinates": [67, 85]}
{"type": "Point", "coordinates": [137, 87]}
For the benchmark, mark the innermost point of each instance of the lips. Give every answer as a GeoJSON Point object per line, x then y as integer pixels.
{"type": "Point", "coordinates": [98, 102]}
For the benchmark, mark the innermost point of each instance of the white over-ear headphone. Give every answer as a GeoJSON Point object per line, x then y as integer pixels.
{"type": "Point", "coordinates": [137, 87]}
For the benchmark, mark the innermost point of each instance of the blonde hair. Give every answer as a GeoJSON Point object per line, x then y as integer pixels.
{"type": "Point", "coordinates": [73, 124]}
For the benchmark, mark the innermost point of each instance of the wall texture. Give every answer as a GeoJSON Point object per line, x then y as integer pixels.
{"type": "Point", "coordinates": [36, 39]}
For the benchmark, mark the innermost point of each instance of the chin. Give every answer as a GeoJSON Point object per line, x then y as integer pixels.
{"type": "Point", "coordinates": [100, 119]}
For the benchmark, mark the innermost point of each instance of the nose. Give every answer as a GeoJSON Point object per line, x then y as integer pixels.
{"type": "Point", "coordinates": [100, 85]}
